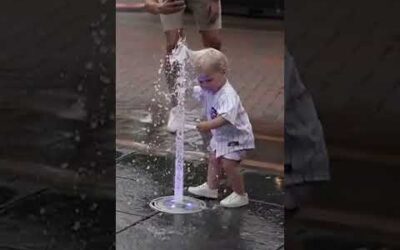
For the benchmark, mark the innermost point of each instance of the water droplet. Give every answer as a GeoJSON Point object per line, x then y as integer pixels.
{"type": "Point", "coordinates": [94, 206]}
{"type": "Point", "coordinates": [89, 65]}
{"type": "Point", "coordinates": [93, 124]}
{"type": "Point", "coordinates": [103, 49]}
{"type": "Point", "coordinates": [76, 226]}
{"type": "Point", "coordinates": [105, 79]}
{"type": "Point", "coordinates": [64, 165]}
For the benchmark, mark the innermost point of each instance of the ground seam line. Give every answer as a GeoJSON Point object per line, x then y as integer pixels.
{"type": "Point", "coordinates": [267, 203]}
{"type": "Point", "coordinates": [119, 211]}
{"type": "Point", "coordinates": [5, 207]}
{"type": "Point", "coordinates": [137, 222]}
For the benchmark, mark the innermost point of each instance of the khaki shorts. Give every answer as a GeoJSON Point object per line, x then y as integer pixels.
{"type": "Point", "coordinates": [200, 11]}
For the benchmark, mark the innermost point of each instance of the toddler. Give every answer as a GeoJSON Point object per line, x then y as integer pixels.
{"type": "Point", "coordinates": [229, 125]}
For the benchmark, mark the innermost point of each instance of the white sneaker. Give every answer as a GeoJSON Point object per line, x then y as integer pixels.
{"type": "Point", "coordinates": [204, 190]}
{"type": "Point", "coordinates": [235, 200]}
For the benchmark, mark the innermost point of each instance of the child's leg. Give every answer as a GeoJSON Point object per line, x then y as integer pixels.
{"type": "Point", "coordinates": [214, 171]}
{"type": "Point", "coordinates": [231, 168]}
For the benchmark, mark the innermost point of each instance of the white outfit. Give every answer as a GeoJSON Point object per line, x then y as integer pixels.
{"type": "Point", "coordinates": [230, 140]}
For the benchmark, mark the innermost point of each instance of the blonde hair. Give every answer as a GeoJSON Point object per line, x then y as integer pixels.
{"type": "Point", "coordinates": [210, 60]}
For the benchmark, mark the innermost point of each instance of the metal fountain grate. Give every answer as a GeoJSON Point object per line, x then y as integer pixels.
{"type": "Point", "coordinates": [168, 204]}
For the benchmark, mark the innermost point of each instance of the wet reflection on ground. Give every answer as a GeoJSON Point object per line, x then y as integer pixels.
{"type": "Point", "coordinates": [141, 178]}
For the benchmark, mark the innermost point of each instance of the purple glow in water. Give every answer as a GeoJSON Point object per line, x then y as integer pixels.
{"type": "Point", "coordinates": [179, 152]}
{"type": "Point", "coordinates": [181, 56]}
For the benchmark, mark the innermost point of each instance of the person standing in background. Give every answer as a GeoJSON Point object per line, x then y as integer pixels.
{"type": "Point", "coordinates": [306, 157]}
{"type": "Point", "coordinates": [207, 15]}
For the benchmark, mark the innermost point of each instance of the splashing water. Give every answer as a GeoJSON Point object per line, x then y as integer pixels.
{"type": "Point", "coordinates": [180, 59]}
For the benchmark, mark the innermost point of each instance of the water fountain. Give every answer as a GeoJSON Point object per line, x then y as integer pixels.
{"type": "Point", "coordinates": [178, 203]}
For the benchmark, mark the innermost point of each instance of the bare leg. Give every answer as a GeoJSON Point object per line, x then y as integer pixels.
{"type": "Point", "coordinates": [211, 38]}
{"type": "Point", "coordinates": [214, 171]}
{"type": "Point", "coordinates": [231, 168]}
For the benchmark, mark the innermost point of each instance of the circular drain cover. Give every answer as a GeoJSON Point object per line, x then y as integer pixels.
{"type": "Point", "coordinates": [168, 204]}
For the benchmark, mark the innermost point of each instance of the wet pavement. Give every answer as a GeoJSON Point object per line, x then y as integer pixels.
{"type": "Point", "coordinates": [145, 157]}
{"type": "Point", "coordinates": [141, 178]}
{"type": "Point", "coordinates": [58, 101]}
{"type": "Point", "coordinates": [355, 210]}
{"type": "Point", "coordinates": [35, 217]}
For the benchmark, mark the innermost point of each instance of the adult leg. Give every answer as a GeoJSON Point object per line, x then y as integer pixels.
{"type": "Point", "coordinates": [172, 38]}
{"type": "Point", "coordinates": [211, 38]}
{"type": "Point", "coordinates": [210, 31]}
{"type": "Point", "coordinates": [172, 25]}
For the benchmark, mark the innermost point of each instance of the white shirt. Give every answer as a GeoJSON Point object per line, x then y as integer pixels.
{"type": "Point", "coordinates": [237, 134]}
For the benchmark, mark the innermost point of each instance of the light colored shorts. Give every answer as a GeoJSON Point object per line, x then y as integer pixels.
{"type": "Point", "coordinates": [235, 156]}
{"type": "Point", "coordinates": [200, 11]}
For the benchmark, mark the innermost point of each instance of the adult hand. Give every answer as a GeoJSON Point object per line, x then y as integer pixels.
{"type": "Point", "coordinates": [213, 11]}
{"type": "Point", "coordinates": [170, 6]}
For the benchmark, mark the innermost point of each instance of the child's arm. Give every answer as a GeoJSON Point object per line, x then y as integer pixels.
{"type": "Point", "coordinates": [206, 126]}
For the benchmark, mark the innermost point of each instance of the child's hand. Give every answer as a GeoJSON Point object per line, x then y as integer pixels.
{"type": "Point", "coordinates": [203, 127]}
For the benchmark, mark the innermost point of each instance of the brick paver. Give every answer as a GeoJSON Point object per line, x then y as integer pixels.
{"type": "Point", "coordinates": [254, 47]}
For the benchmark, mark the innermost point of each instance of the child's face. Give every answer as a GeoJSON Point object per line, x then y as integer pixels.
{"type": "Point", "coordinates": [211, 81]}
